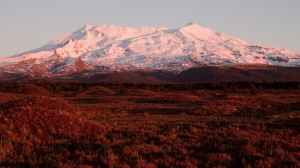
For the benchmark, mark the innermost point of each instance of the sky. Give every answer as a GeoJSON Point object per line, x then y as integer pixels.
{"type": "Point", "coordinates": [29, 24]}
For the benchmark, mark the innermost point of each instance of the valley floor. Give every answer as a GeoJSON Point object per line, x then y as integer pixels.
{"type": "Point", "coordinates": [124, 125]}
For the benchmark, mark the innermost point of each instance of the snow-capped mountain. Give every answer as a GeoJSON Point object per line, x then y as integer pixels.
{"type": "Point", "coordinates": [113, 48]}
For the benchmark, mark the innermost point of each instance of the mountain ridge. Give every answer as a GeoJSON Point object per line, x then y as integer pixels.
{"type": "Point", "coordinates": [112, 48]}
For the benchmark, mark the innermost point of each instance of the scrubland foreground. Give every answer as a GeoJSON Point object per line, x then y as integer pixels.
{"type": "Point", "coordinates": [140, 125]}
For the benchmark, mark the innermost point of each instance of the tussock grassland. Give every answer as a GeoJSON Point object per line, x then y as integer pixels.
{"type": "Point", "coordinates": [140, 125]}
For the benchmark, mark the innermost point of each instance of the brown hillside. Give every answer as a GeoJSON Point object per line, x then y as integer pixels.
{"type": "Point", "coordinates": [97, 91]}
{"type": "Point", "coordinates": [41, 118]}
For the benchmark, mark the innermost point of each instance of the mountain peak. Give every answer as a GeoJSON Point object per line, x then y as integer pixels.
{"type": "Point", "coordinates": [85, 28]}
{"type": "Point", "coordinates": [195, 28]}
{"type": "Point", "coordinates": [191, 24]}
{"type": "Point", "coordinates": [194, 25]}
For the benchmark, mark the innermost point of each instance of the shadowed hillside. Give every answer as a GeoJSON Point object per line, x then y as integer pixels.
{"type": "Point", "coordinates": [238, 73]}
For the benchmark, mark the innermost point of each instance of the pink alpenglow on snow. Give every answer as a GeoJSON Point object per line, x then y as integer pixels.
{"type": "Point", "coordinates": [117, 48]}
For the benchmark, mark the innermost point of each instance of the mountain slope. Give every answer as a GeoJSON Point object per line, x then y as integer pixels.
{"type": "Point", "coordinates": [113, 48]}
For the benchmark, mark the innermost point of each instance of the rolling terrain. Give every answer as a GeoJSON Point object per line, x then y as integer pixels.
{"type": "Point", "coordinates": [148, 125]}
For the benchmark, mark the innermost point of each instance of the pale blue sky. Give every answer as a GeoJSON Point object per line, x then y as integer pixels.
{"type": "Point", "coordinates": [28, 24]}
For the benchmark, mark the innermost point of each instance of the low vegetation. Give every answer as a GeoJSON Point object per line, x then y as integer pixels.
{"type": "Point", "coordinates": [146, 125]}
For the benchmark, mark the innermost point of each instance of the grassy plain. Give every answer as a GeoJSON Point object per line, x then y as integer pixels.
{"type": "Point", "coordinates": [140, 125]}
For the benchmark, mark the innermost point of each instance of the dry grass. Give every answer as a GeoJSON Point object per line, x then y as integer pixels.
{"type": "Point", "coordinates": [96, 91]}
{"type": "Point", "coordinates": [146, 128]}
